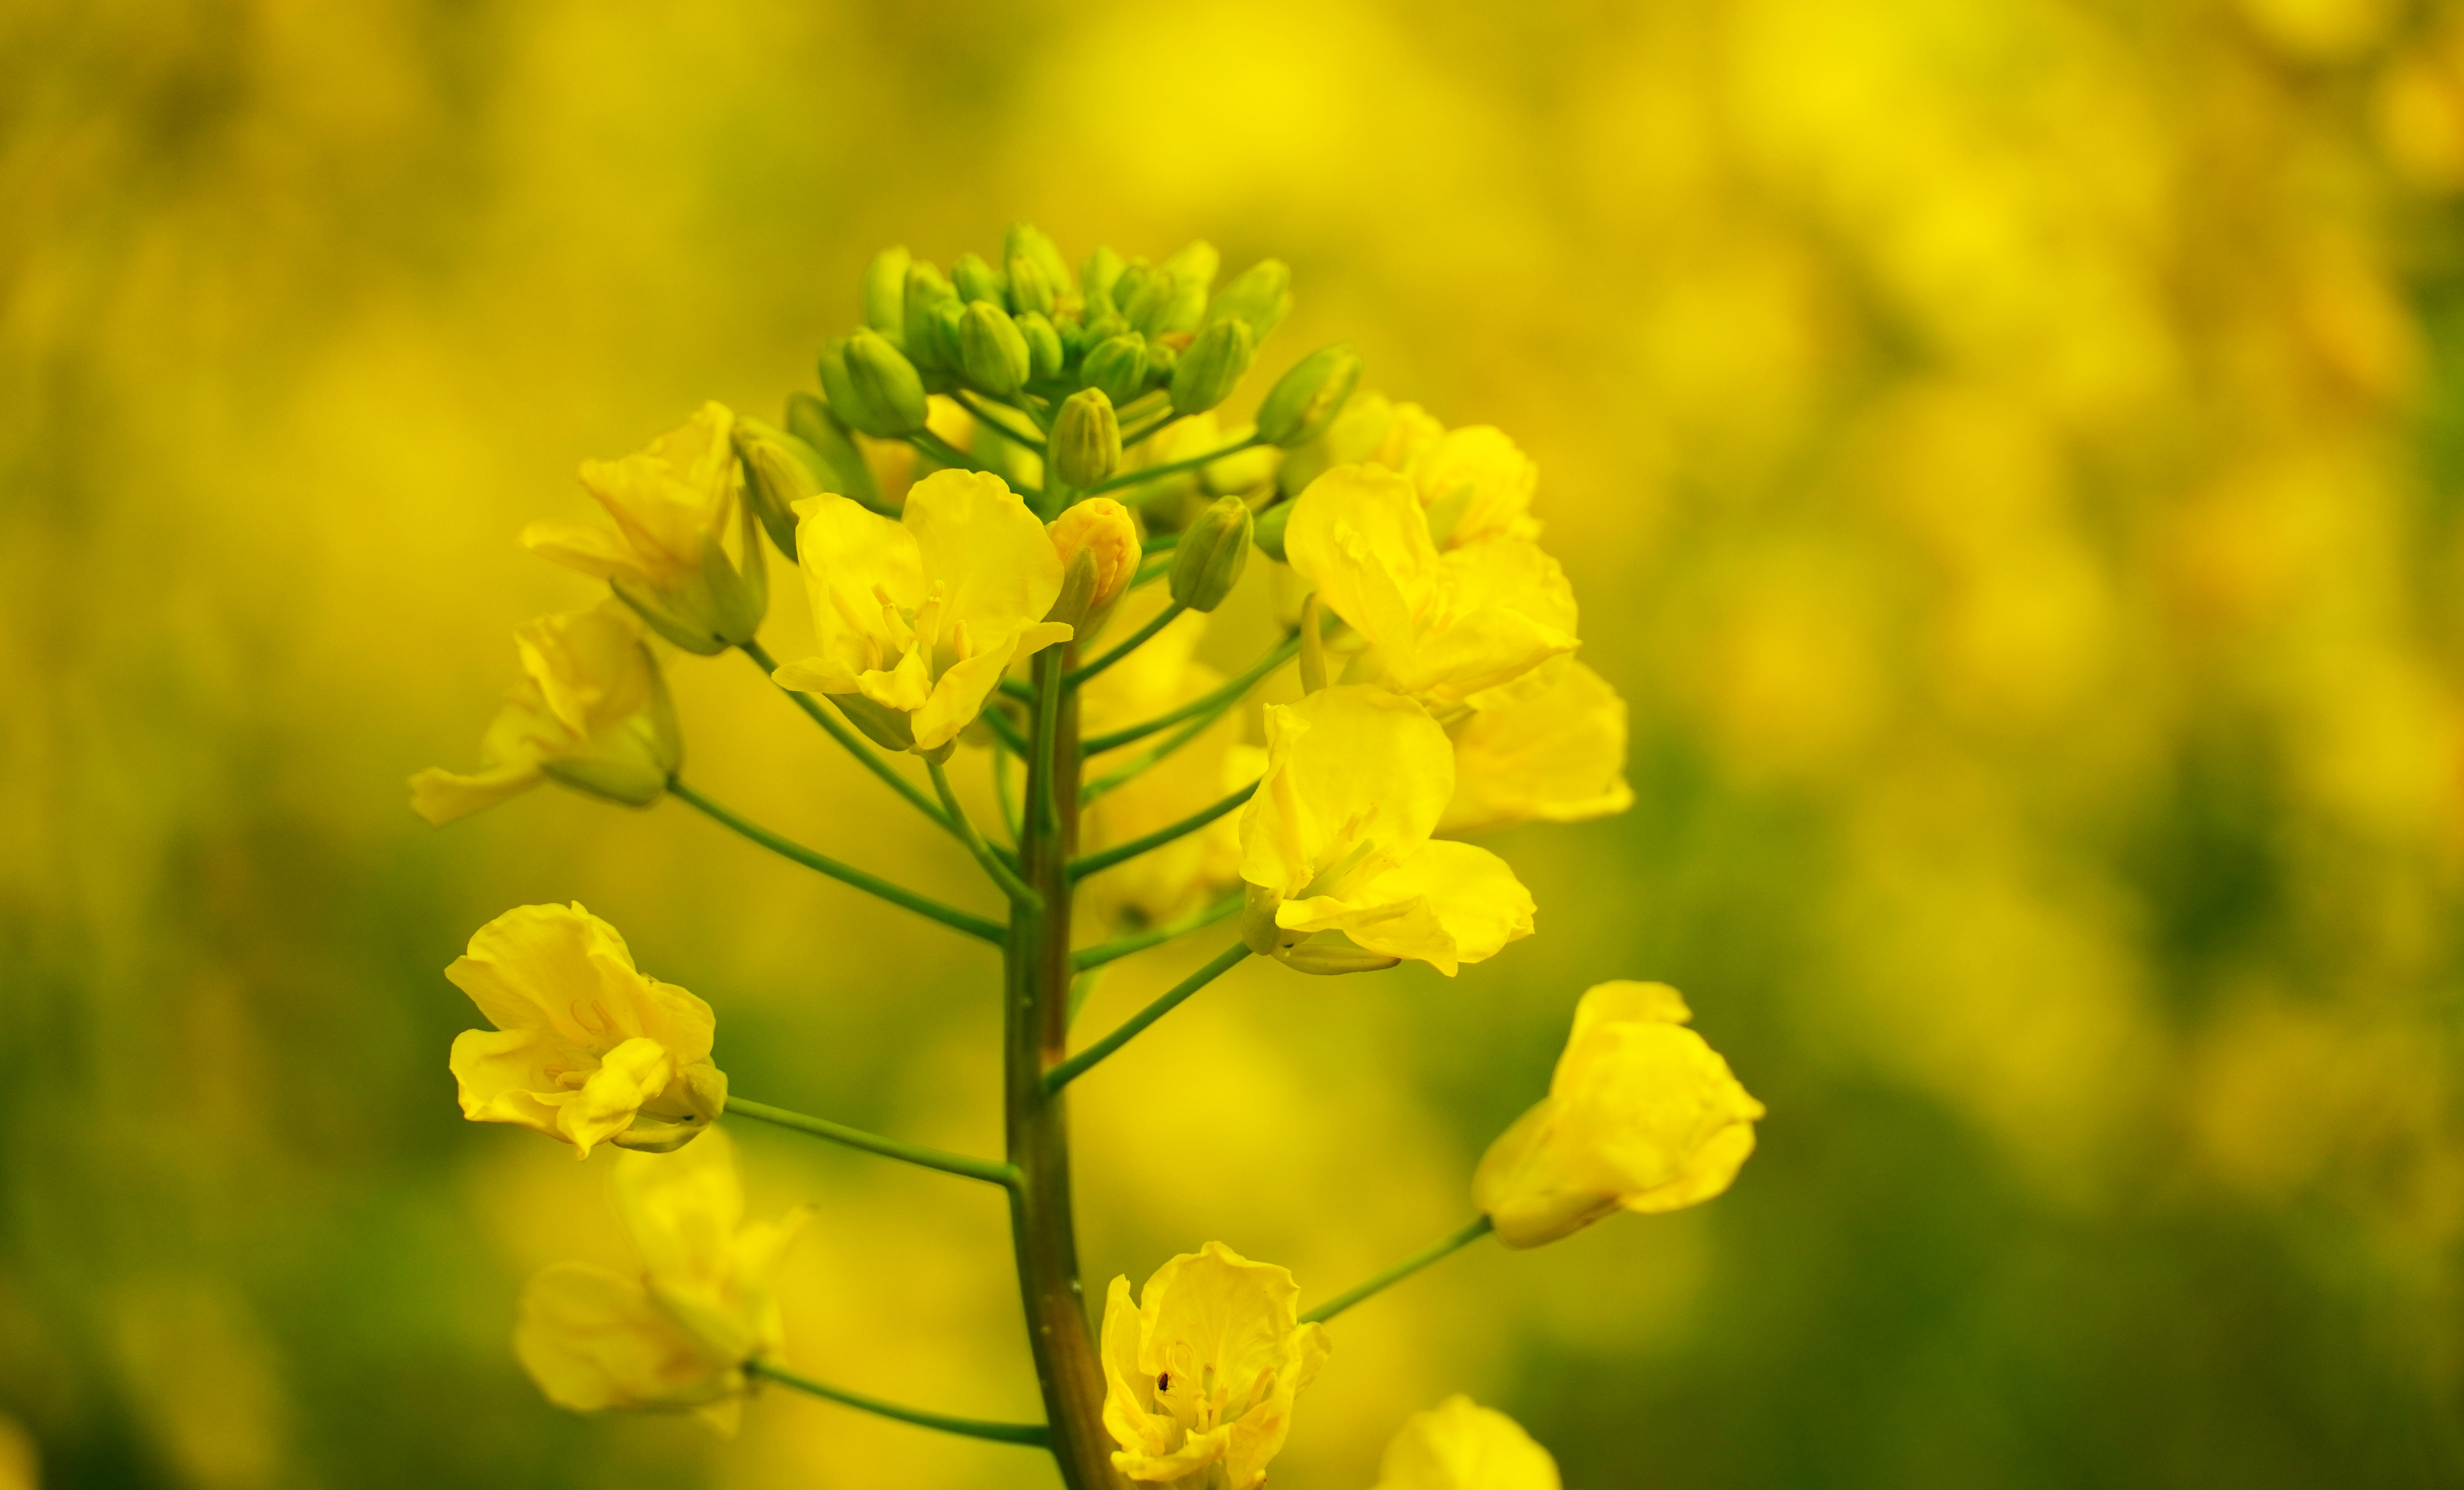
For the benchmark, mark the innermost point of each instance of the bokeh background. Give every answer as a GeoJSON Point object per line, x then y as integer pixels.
{"type": "Point", "coordinates": [2011, 454]}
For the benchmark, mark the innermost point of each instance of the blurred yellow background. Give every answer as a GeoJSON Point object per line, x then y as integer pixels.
{"type": "Point", "coordinates": [2011, 454]}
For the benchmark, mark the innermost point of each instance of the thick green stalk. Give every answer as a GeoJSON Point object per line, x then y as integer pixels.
{"type": "Point", "coordinates": [1035, 1037]}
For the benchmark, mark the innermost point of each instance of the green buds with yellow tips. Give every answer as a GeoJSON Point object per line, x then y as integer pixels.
{"type": "Point", "coordinates": [850, 407]}
{"type": "Point", "coordinates": [1024, 241]}
{"type": "Point", "coordinates": [1031, 290]}
{"type": "Point", "coordinates": [991, 351]}
{"type": "Point", "coordinates": [1044, 353]}
{"type": "Point", "coordinates": [1212, 367]}
{"type": "Point", "coordinates": [976, 280]}
{"type": "Point", "coordinates": [1085, 446]}
{"type": "Point", "coordinates": [1143, 294]}
{"type": "Point", "coordinates": [1118, 367]}
{"type": "Point", "coordinates": [1261, 294]}
{"type": "Point", "coordinates": [930, 342]}
{"type": "Point", "coordinates": [779, 470]}
{"type": "Point", "coordinates": [888, 391]}
{"type": "Point", "coordinates": [843, 469]}
{"type": "Point", "coordinates": [885, 292]}
{"type": "Point", "coordinates": [1308, 396]}
{"type": "Point", "coordinates": [1099, 277]}
{"type": "Point", "coordinates": [1213, 551]}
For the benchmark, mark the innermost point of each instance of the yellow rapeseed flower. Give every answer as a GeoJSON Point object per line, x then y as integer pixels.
{"type": "Point", "coordinates": [586, 1048]}
{"type": "Point", "coordinates": [1461, 1445]}
{"type": "Point", "coordinates": [1336, 850]}
{"type": "Point", "coordinates": [674, 505]}
{"type": "Point", "coordinates": [1474, 485]}
{"type": "Point", "coordinates": [678, 1332]}
{"type": "Point", "coordinates": [1641, 1115]}
{"type": "Point", "coordinates": [1548, 747]}
{"type": "Point", "coordinates": [1437, 626]}
{"type": "Point", "coordinates": [1200, 1374]}
{"type": "Point", "coordinates": [591, 712]}
{"type": "Point", "coordinates": [914, 620]}
{"type": "Point", "coordinates": [1106, 535]}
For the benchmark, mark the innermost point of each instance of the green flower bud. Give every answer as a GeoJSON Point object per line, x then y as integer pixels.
{"type": "Point", "coordinates": [1043, 351]}
{"type": "Point", "coordinates": [1213, 551]}
{"type": "Point", "coordinates": [1099, 275]}
{"type": "Point", "coordinates": [1268, 531]}
{"type": "Point", "coordinates": [1030, 289]}
{"type": "Point", "coordinates": [1195, 264]}
{"type": "Point", "coordinates": [1162, 359]}
{"type": "Point", "coordinates": [779, 470]}
{"type": "Point", "coordinates": [1143, 294]}
{"type": "Point", "coordinates": [1119, 367]}
{"type": "Point", "coordinates": [846, 401]}
{"type": "Point", "coordinates": [1209, 370]}
{"type": "Point", "coordinates": [1308, 396]}
{"type": "Point", "coordinates": [885, 386]}
{"type": "Point", "coordinates": [1261, 294]}
{"type": "Point", "coordinates": [1025, 242]}
{"type": "Point", "coordinates": [1100, 329]}
{"type": "Point", "coordinates": [844, 469]}
{"type": "Point", "coordinates": [991, 350]}
{"type": "Point", "coordinates": [885, 292]}
{"type": "Point", "coordinates": [1085, 447]}
{"type": "Point", "coordinates": [923, 333]}
{"type": "Point", "coordinates": [977, 280]}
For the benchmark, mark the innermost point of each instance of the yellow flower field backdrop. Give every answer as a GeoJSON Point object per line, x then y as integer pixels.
{"type": "Point", "coordinates": [2012, 459]}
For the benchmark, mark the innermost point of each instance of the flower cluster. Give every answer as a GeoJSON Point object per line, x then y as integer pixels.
{"type": "Point", "coordinates": [1015, 511]}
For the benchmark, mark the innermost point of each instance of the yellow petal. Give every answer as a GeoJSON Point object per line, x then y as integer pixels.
{"type": "Point", "coordinates": [441, 797]}
{"type": "Point", "coordinates": [1549, 747]}
{"type": "Point", "coordinates": [596, 552]}
{"type": "Point", "coordinates": [635, 1071]}
{"type": "Point", "coordinates": [682, 1209]}
{"type": "Point", "coordinates": [1476, 485]}
{"type": "Point", "coordinates": [1459, 1445]}
{"type": "Point", "coordinates": [987, 553]}
{"type": "Point", "coordinates": [852, 560]}
{"type": "Point", "coordinates": [1446, 905]}
{"type": "Point", "coordinates": [593, 1339]}
{"type": "Point", "coordinates": [1359, 536]}
{"type": "Point", "coordinates": [502, 1076]}
{"type": "Point", "coordinates": [1346, 766]}
{"type": "Point", "coordinates": [666, 498]}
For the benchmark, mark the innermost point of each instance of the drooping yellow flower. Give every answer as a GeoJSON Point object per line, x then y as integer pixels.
{"type": "Point", "coordinates": [1200, 1374]}
{"type": "Point", "coordinates": [1336, 850]}
{"type": "Point", "coordinates": [678, 1332]}
{"type": "Point", "coordinates": [915, 620]}
{"type": "Point", "coordinates": [1461, 1445]}
{"type": "Point", "coordinates": [586, 1048]}
{"type": "Point", "coordinates": [591, 712]}
{"type": "Point", "coordinates": [1548, 747]}
{"type": "Point", "coordinates": [675, 506]}
{"type": "Point", "coordinates": [1641, 1115]}
{"type": "Point", "coordinates": [1437, 626]}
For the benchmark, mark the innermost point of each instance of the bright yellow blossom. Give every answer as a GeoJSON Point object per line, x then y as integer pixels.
{"type": "Point", "coordinates": [1371, 427]}
{"type": "Point", "coordinates": [591, 712]}
{"type": "Point", "coordinates": [586, 1048]}
{"type": "Point", "coordinates": [678, 1332]}
{"type": "Point", "coordinates": [1437, 626]}
{"type": "Point", "coordinates": [1335, 845]}
{"type": "Point", "coordinates": [1461, 1445]}
{"type": "Point", "coordinates": [1200, 1374]}
{"type": "Point", "coordinates": [915, 620]}
{"type": "Point", "coordinates": [1474, 485]}
{"type": "Point", "coordinates": [674, 505]}
{"type": "Point", "coordinates": [1548, 747]}
{"type": "Point", "coordinates": [1641, 1115]}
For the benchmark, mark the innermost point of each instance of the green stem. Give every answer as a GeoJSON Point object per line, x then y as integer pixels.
{"type": "Point", "coordinates": [1004, 1175]}
{"type": "Point", "coordinates": [896, 894]}
{"type": "Point", "coordinates": [1156, 936]}
{"type": "Point", "coordinates": [1010, 884]}
{"type": "Point", "coordinates": [1023, 692]}
{"type": "Point", "coordinates": [1011, 817]}
{"type": "Point", "coordinates": [1213, 703]}
{"type": "Point", "coordinates": [1129, 770]}
{"type": "Point", "coordinates": [1137, 639]}
{"type": "Point", "coordinates": [1077, 1065]}
{"type": "Point", "coordinates": [1388, 1278]}
{"type": "Point", "coordinates": [1005, 730]}
{"type": "Point", "coordinates": [847, 736]}
{"type": "Point", "coordinates": [1033, 1435]}
{"type": "Point", "coordinates": [1131, 478]}
{"type": "Point", "coordinates": [1000, 427]}
{"type": "Point", "coordinates": [942, 451]}
{"type": "Point", "coordinates": [1105, 859]}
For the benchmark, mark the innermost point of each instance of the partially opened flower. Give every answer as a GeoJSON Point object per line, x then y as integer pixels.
{"type": "Point", "coordinates": [1200, 1374]}
{"type": "Point", "coordinates": [676, 1331]}
{"type": "Point", "coordinates": [1548, 747]}
{"type": "Point", "coordinates": [1641, 1115]}
{"type": "Point", "coordinates": [591, 712]}
{"type": "Point", "coordinates": [1343, 875]}
{"type": "Point", "coordinates": [676, 505]}
{"type": "Point", "coordinates": [1461, 1445]}
{"type": "Point", "coordinates": [915, 620]}
{"type": "Point", "coordinates": [1441, 627]}
{"type": "Point", "coordinates": [1475, 484]}
{"type": "Point", "coordinates": [586, 1048]}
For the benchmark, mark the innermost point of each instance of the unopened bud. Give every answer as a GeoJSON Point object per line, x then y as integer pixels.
{"type": "Point", "coordinates": [1213, 551]}
{"type": "Point", "coordinates": [1259, 294]}
{"type": "Point", "coordinates": [1085, 446]}
{"type": "Point", "coordinates": [1118, 367]}
{"type": "Point", "coordinates": [1030, 289]}
{"type": "Point", "coordinates": [1267, 533]}
{"type": "Point", "coordinates": [1099, 277]}
{"type": "Point", "coordinates": [1195, 264]}
{"type": "Point", "coordinates": [1308, 396]}
{"type": "Point", "coordinates": [1043, 350]}
{"type": "Point", "coordinates": [1207, 373]}
{"type": "Point", "coordinates": [976, 280]}
{"type": "Point", "coordinates": [1025, 241]}
{"type": "Point", "coordinates": [844, 468]}
{"type": "Point", "coordinates": [1100, 536]}
{"type": "Point", "coordinates": [991, 351]}
{"type": "Point", "coordinates": [885, 292]}
{"type": "Point", "coordinates": [1143, 294]}
{"type": "Point", "coordinates": [886, 384]}
{"type": "Point", "coordinates": [924, 338]}
{"type": "Point", "coordinates": [779, 470]}
{"type": "Point", "coordinates": [846, 401]}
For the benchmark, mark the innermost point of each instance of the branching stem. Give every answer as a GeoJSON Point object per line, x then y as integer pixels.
{"type": "Point", "coordinates": [872, 884]}
{"type": "Point", "coordinates": [1034, 1435]}
{"type": "Point", "coordinates": [1078, 1066]}
{"type": "Point", "coordinates": [1157, 935]}
{"type": "Point", "coordinates": [1119, 853]}
{"type": "Point", "coordinates": [1137, 639]}
{"type": "Point", "coordinates": [1010, 884]}
{"type": "Point", "coordinates": [1004, 1175]}
{"type": "Point", "coordinates": [1442, 1247]}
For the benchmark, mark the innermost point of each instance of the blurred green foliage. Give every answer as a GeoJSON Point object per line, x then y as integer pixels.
{"type": "Point", "coordinates": [2010, 454]}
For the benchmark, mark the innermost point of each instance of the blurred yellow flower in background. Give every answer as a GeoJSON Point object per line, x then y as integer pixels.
{"type": "Point", "coordinates": [1461, 1445]}
{"type": "Point", "coordinates": [586, 1048]}
{"type": "Point", "coordinates": [1202, 1372]}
